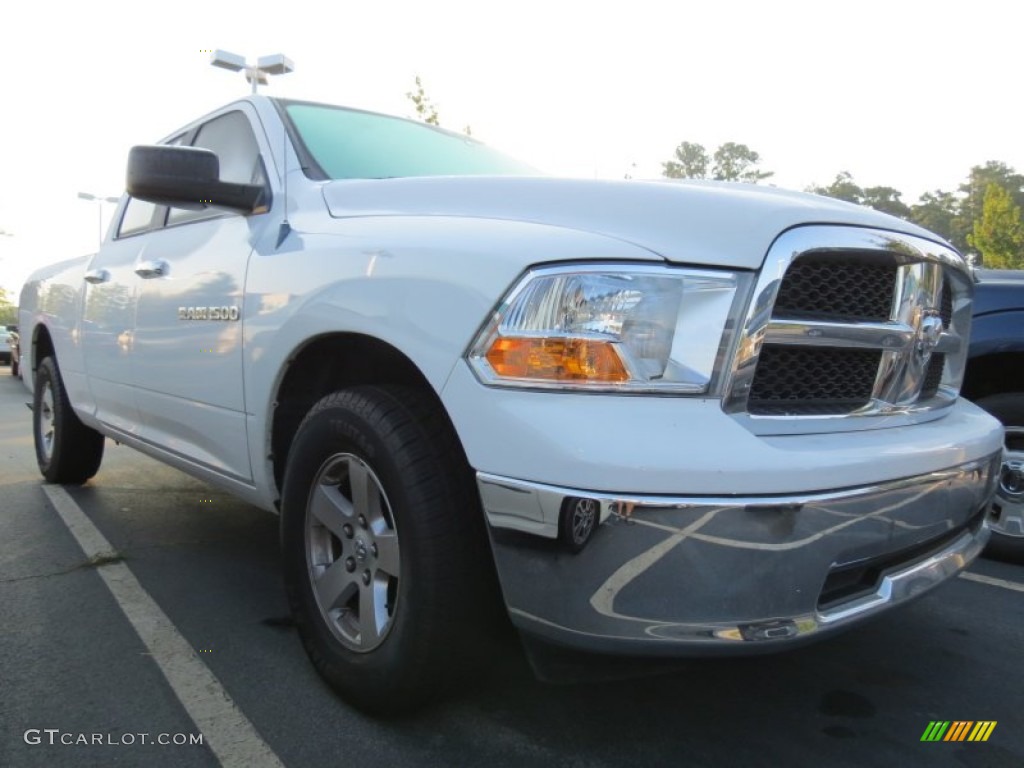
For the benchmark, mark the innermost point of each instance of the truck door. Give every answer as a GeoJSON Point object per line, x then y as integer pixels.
{"type": "Point", "coordinates": [108, 316]}
{"type": "Point", "coordinates": [187, 352]}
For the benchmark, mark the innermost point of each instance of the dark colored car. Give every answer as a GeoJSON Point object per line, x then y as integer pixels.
{"type": "Point", "coordinates": [995, 381]}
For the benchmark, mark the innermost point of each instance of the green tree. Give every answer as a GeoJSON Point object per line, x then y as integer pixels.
{"type": "Point", "coordinates": [8, 309]}
{"type": "Point", "coordinates": [731, 162]}
{"type": "Point", "coordinates": [425, 109]}
{"type": "Point", "coordinates": [936, 211]}
{"type": "Point", "coordinates": [691, 162]}
{"type": "Point", "coordinates": [974, 191]}
{"type": "Point", "coordinates": [887, 200]}
{"type": "Point", "coordinates": [738, 162]}
{"type": "Point", "coordinates": [843, 188]}
{"type": "Point", "coordinates": [998, 233]}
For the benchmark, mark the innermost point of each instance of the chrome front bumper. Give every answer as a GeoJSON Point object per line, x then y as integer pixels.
{"type": "Point", "coordinates": [692, 576]}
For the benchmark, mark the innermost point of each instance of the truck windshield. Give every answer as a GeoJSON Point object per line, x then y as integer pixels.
{"type": "Point", "coordinates": [339, 143]}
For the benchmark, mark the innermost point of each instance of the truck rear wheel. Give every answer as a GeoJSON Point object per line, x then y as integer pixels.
{"type": "Point", "coordinates": [67, 451]}
{"type": "Point", "coordinates": [1007, 540]}
{"type": "Point", "coordinates": [382, 564]}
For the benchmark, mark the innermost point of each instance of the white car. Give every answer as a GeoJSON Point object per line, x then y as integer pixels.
{"type": "Point", "coordinates": [5, 347]}
{"type": "Point", "coordinates": [673, 418]}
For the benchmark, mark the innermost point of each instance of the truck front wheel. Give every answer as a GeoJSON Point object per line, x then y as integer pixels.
{"type": "Point", "coordinates": [67, 451]}
{"type": "Point", "coordinates": [1008, 525]}
{"type": "Point", "coordinates": [381, 561]}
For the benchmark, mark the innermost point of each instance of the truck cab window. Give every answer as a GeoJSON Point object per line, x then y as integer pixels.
{"type": "Point", "coordinates": [137, 217]}
{"type": "Point", "coordinates": [229, 136]}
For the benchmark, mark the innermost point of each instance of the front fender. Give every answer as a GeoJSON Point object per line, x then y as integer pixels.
{"type": "Point", "coordinates": [423, 285]}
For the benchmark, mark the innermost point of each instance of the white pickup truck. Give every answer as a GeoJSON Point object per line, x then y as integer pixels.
{"type": "Point", "coordinates": [671, 418]}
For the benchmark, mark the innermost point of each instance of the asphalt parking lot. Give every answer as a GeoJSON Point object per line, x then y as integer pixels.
{"type": "Point", "coordinates": [73, 664]}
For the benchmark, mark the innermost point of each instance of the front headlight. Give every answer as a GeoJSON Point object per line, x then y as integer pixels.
{"type": "Point", "coordinates": [618, 328]}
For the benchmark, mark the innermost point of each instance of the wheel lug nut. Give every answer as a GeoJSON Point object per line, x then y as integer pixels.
{"type": "Point", "coordinates": [362, 521]}
{"type": "Point", "coordinates": [347, 530]}
{"type": "Point", "coordinates": [350, 564]}
{"type": "Point", "coordinates": [366, 578]}
{"type": "Point", "coordinates": [373, 549]}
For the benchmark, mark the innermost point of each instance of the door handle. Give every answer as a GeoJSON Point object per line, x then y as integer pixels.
{"type": "Point", "coordinates": [95, 276]}
{"type": "Point", "coordinates": [155, 268]}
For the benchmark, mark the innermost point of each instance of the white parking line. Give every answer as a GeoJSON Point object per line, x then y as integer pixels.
{"type": "Point", "coordinates": [225, 729]}
{"type": "Point", "coordinates": [992, 582]}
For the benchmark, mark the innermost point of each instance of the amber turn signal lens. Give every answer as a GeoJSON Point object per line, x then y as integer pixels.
{"type": "Point", "coordinates": [556, 360]}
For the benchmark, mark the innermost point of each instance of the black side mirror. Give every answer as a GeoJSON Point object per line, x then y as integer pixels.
{"type": "Point", "coordinates": [187, 177]}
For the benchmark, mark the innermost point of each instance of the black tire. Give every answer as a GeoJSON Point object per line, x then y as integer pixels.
{"type": "Point", "coordinates": [67, 451]}
{"type": "Point", "coordinates": [430, 602]}
{"type": "Point", "coordinates": [1008, 407]}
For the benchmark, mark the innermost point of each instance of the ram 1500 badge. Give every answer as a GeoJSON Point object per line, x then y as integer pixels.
{"type": "Point", "coordinates": [651, 418]}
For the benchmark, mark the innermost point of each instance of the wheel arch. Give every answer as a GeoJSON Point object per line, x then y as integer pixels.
{"type": "Point", "coordinates": [326, 364]}
{"type": "Point", "coordinates": [42, 346]}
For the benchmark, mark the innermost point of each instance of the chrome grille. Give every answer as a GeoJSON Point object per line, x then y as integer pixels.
{"type": "Point", "coordinates": [851, 322]}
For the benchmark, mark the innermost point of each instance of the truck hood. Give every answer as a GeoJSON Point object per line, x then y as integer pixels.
{"type": "Point", "coordinates": [693, 222]}
{"type": "Point", "coordinates": [999, 291]}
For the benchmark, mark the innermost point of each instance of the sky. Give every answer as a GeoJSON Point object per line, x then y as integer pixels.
{"type": "Point", "coordinates": [901, 93]}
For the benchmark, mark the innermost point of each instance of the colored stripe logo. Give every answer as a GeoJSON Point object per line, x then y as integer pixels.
{"type": "Point", "coordinates": [959, 730]}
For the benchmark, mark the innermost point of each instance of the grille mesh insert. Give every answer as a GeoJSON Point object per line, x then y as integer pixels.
{"type": "Point", "coordinates": [822, 285]}
{"type": "Point", "coordinates": [819, 380]}
{"type": "Point", "coordinates": [933, 377]}
{"type": "Point", "coordinates": [946, 311]}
